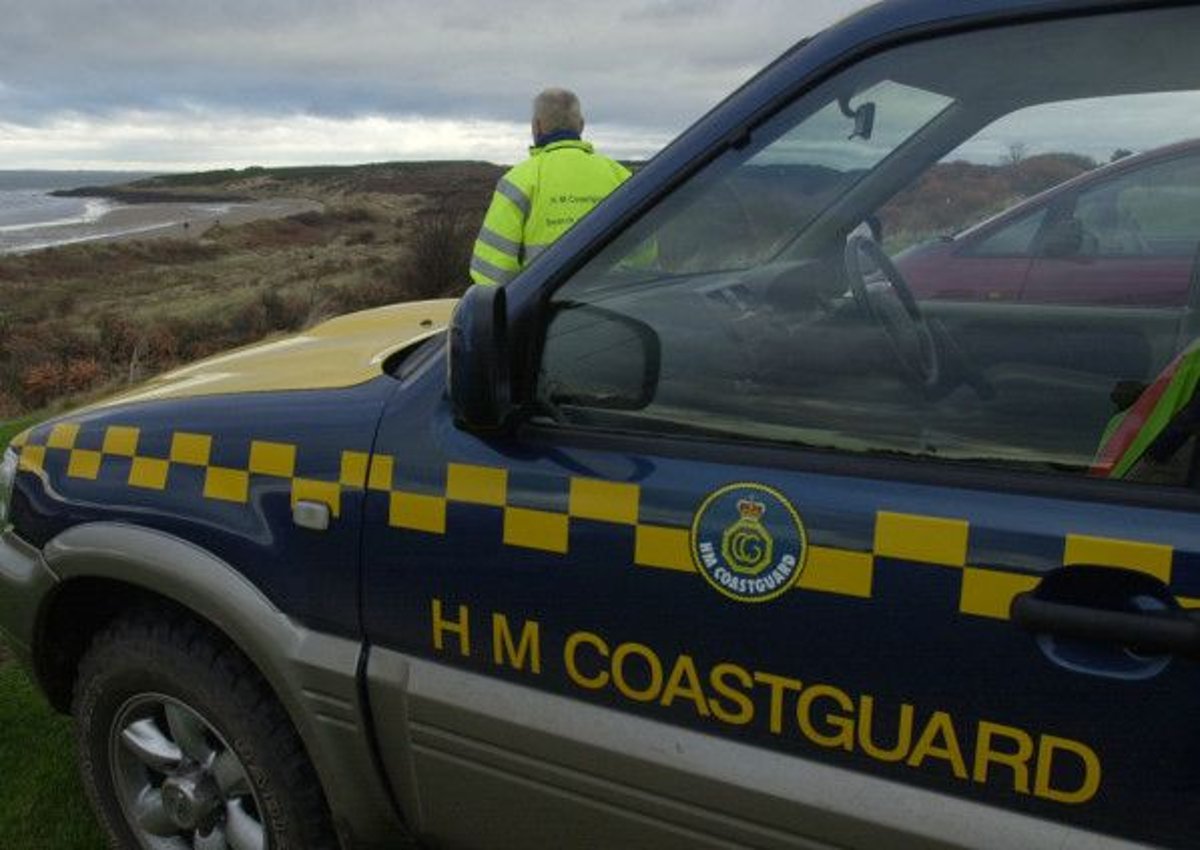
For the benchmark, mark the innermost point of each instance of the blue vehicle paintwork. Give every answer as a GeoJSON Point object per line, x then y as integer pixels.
{"type": "Point", "coordinates": [311, 575]}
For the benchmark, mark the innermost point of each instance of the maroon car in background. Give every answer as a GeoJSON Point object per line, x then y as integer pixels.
{"type": "Point", "coordinates": [1080, 242]}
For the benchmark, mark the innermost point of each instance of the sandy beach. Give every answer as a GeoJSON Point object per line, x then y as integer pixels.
{"type": "Point", "coordinates": [156, 220]}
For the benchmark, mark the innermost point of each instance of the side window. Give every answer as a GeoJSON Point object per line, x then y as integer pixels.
{"type": "Point", "coordinates": [1153, 210]}
{"type": "Point", "coordinates": [1013, 240]}
{"type": "Point", "coordinates": [777, 295]}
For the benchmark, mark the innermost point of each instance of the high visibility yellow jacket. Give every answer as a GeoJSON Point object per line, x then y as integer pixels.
{"type": "Point", "coordinates": [536, 202]}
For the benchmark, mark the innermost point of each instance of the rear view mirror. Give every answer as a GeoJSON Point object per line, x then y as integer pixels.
{"type": "Point", "coordinates": [863, 115]}
{"type": "Point", "coordinates": [598, 358]}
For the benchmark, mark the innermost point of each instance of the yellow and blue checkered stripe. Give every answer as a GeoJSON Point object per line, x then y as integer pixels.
{"type": "Point", "coordinates": [984, 591]}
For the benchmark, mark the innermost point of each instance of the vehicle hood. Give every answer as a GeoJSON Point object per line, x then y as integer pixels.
{"type": "Point", "coordinates": [341, 352]}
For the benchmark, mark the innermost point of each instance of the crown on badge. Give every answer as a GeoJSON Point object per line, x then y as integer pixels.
{"type": "Point", "coordinates": [750, 509]}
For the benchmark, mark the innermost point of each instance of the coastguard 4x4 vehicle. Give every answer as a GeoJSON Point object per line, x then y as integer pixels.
{"type": "Point", "coordinates": [702, 532]}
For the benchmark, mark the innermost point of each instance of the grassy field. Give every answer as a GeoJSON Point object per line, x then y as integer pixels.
{"type": "Point", "coordinates": [42, 804]}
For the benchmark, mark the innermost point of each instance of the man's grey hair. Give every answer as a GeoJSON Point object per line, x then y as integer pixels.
{"type": "Point", "coordinates": [558, 109]}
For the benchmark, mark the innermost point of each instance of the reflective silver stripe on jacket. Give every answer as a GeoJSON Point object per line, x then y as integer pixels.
{"type": "Point", "coordinates": [513, 193]}
{"type": "Point", "coordinates": [494, 273]}
{"type": "Point", "coordinates": [532, 251]}
{"type": "Point", "coordinates": [502, 244]}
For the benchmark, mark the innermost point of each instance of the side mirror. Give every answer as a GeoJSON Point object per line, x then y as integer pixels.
{"type": "Point", "coordinates": [600, 359]}
{"type": "Point", "coordinates": [478, 374]}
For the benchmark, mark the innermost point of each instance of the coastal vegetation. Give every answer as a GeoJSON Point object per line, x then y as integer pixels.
{"type": "Point", "coordinates": [86, 319]}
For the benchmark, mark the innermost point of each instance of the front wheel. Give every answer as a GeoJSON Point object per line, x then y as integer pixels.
{"type": "Point", "coordinates": [182, 745]}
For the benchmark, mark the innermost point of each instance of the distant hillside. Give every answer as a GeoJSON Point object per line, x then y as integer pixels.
{"type": "Point", "coordinates": [458, 183]}
{"type": "Point", "coordinates": [952, 196]}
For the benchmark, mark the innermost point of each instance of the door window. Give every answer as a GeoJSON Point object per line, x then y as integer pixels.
{"type": "Point", "coordinates": [1152, 211]}
{"type": "Point", "coordinates": [775, 296]}
{"type": "Point", "coordinates": [1012, 240]}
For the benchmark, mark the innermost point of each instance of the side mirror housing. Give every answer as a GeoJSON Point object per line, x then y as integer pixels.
{"type": "Point", "coordinates": [478, 376]}
{"type": "Point", "coordinates": [599, 359]}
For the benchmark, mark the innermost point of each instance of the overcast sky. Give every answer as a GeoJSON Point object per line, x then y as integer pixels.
{"type": "Point", "coordinates": [163, 84]}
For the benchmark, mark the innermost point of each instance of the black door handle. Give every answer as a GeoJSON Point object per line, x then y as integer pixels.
{"type": "Point", "coordinates": [1151, 632]}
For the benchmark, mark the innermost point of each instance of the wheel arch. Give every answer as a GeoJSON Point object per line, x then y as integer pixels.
{"type": "Point", "coordinates": [106, 569]}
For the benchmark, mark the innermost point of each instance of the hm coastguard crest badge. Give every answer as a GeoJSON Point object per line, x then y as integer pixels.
{"type": "Point", "coordinates": [748, 542]}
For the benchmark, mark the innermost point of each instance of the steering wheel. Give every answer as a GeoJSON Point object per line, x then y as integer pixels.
{"type": "Point", "coordinates": [886, 298]}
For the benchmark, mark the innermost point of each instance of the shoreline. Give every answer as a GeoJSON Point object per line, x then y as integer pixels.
{"type": "Point", "coordinates": [156, 220]}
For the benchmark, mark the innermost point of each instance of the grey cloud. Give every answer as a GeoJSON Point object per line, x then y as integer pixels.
{"type": "Point", "coordinates": [153, 82]}
{"type": "Point", "coordinates": [656, 64]}
{"type": "Point", "coordinates": [669, 10]}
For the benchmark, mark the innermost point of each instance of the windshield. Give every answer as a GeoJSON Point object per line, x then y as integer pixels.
{"type": "Point", "coordinates": [742, 214]}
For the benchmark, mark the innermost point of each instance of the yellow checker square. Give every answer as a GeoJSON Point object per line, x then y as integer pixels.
{"type": "Point", "coordinates": [149, 472]}
{"type": "Point", "coordinates": [1188, 602]}
{"type": "Point", "coordinates": [380, 477]}
{"type": "Point", "coordinates": [33, 458]}
{"type": "Point", "coordinates": [63, 435]}
{"type": "Point", "coordinates": [532, 529]}
{"type": "Point", "coordinates": [606, 501]}
{"type": "Point", "coordinates": [1151, 558]}
{"type": "Point", "coordinates": [354, 470]}
{"type": "Point", "coordinates": [921, 539]}
{"type": "Point", "coordinates": [417, 512]}
{"type": "Point", "coordinates": [478, 485]}
{"type": "Point", "coordinates": [121, 441]}
{"type": "Point", "coordinates": [840, 571]}
{"type": "Point", "coordinates": [21, 439]}
{"type": "Point", "coordinates": [192, 449]}
{"type": "Point", "coordinates": [278, 459]}
{"type": "Point", "coordinates": [665, 548]}
{"type": "Point", "coordinates": [989, 593]}
{"type": "Point", "coordinates": [326, 492]}
{"type": "Point", "coordinates": [229, 485]}
{"type": "Point", "coordinates": [84, 464]}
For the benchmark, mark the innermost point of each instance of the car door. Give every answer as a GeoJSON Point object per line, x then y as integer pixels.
{"type": "Point", "coordinates": [763, 556]}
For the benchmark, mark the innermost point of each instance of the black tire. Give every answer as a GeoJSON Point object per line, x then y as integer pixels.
{"type": "Point", "coordinates": [193, 671]}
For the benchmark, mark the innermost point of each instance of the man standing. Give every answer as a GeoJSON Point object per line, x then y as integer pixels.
{"type": "Point", "coordinates": [539, 199]}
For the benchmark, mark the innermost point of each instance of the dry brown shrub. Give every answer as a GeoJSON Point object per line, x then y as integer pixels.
{"type": "Point", "coordinates": [441, 242]}
{"type": "Point", "coordinates": [10, 407]}
{"type": "Point", "coordinates": [161, 345]}
{"type": "Point", "coordinates": [81, 375]}
{"type": "Point", "coordinates": [41, 382]}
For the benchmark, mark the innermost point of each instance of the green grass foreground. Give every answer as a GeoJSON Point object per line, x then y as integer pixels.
{"type": "Point", "coordinates": [10, 429]}
{"type": "Point", "coordinates": [42, 805]}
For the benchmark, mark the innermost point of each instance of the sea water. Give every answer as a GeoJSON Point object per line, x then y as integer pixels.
{"type": "Point", "coordinates": [31, 217]}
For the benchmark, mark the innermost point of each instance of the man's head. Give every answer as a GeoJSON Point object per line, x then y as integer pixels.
{"type": "Point", "coordinates": [556, 110]}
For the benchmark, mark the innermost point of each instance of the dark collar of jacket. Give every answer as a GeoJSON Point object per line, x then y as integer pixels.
{"type": "Point", "coordinates": [556, 141]}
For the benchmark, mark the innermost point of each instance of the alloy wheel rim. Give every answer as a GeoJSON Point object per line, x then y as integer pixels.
{"type": "Point", "coordinates": [180, 785]}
